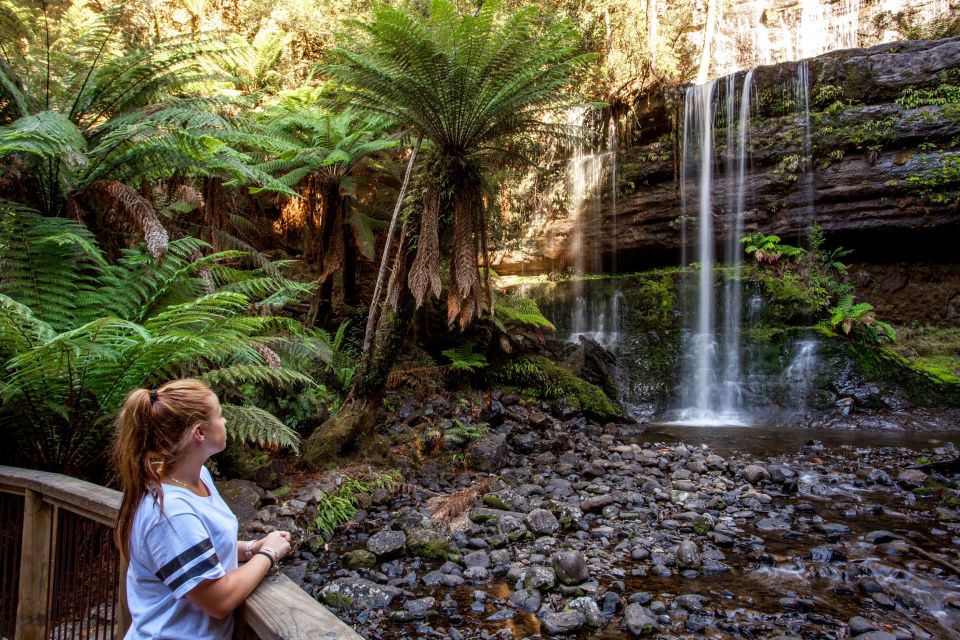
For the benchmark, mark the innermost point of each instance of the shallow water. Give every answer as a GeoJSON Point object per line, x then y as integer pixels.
{"type": "Point", "coordinates": [795, 561]}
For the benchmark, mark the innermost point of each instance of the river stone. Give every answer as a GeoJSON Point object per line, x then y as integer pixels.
{"type": "Point", "coordinates": [911, 478]}
{"type": "Point", "coordinates": [570, 567]}
{"type": "Point", "coordinates": [876, 635]}
{"type": "Point", "coordinates": [561, 623]}
{"type": "Point", "coordinates": [418, 608]}
{"type": "Point", "coordinates": [539, 579]}
{"type": "Point", "coordinates": [359, 559]}
{"type": "Point", "coordinates": [488, 453]}
{"type": "Point", "coordinates": [638, 621]}
{"type": "Point", "coordinates": [505, 500]}
{"type": "Point", "coordinates": [859, 624]}
{"type": "Point", "coordinates": [386, 543]}
{"type": "Point", "coordinates": [753, 473]}
{"type": "Point", "coordinates": [511, 528]}
{"type": "Point", "coordinates": [592, 615]}
{"type": "Point", "coordinates": [595, 504]}
{"type": "Point", "coordinates": [567, 515]}
{"type": "Point", "coordinates": [542, 523]}
{"type": "Point", "coordinates": [525, 600]}
{"type": "Point", "coordinates": [688, 556]}
{"type": "Point", "coordinates": [477, 559]}
{"type": "Point", "coordinates": [358, 594]}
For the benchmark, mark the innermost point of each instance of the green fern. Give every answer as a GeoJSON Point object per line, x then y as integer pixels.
{"type": "Point", "coordinates": [77, 334]}
{"type": "Point", "coordinates": [463, 358]}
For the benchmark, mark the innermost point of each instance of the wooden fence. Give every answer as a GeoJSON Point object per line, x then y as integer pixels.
{"type": "Point", "coordinates": [61, 577]}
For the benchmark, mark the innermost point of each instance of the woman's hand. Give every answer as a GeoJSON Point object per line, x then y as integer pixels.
{"type": "Point", "coordinates": [279, 541]}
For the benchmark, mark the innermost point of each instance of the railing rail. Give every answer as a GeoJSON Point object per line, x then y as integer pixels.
{"type": "Point", "coordinates": [277, 610]}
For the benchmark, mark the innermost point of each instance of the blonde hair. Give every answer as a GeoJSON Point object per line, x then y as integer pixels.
{"type": "Point", "coordinates": [150, 437]}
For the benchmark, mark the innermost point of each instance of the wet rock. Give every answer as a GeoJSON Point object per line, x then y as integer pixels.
{"type": "Point", "coordinates": [358, 594]}
{"type": "Point", "coordinates": [859, 624]}
{"type": "Point", "coordinates": [802, 605]}
{"type": "Point", "coordinates": [542, 523]}
{"type": "Point", "coordinates": [688, 556]}
{"type": "Point", "coordinates": [488, 453]}
{"type": "Point", "coordinates": [693, 602]}
{"type": "Point", "coordinates": [525, 600]}
{"type": "Point", "coordinates": [911, 478]}
{"type": "Point", "coordinates": [833, 530]}
{"type": "Point", "coordinates": [880, 537]}
{"type": "Point", "coordinates": [592, 615]}
{"type": "Point", "coordinates": [876, 635]}
{"type": "Point", "coordinates": [638, 621]}
{"type": "Point", "coordinates": [385, 544]}
{"type": "Point", "coordinates": [570, 567]}
{"type": "Point", "coordinates": [754, 473]}
{"type": "Point", "coordinates": [562, 623]}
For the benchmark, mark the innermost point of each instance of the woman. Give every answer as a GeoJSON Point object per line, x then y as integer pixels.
{"type": "Point", "coordinates": [185, 575]}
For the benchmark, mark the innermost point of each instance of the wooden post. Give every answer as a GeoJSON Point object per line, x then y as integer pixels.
{"type": "Point", "coordinates": [35, 568]}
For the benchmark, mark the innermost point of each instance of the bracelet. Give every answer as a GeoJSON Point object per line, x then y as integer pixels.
{"type": "Point", "coordinates": [247, 550]}
{"type": "Point", "coordinates": [267, 556]}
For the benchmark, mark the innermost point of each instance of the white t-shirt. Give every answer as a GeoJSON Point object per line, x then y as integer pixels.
{"type": "Point", "coordinates": [193, 540]}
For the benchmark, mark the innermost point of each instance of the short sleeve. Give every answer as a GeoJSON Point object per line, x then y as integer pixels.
{"type": "Point", "coordinates": [182, 552]}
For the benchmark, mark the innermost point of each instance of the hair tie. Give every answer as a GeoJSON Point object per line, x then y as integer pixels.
{"type": "Point", "coordinates": [153, 396]}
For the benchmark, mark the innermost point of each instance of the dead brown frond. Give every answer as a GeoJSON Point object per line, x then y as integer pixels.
{"type": "Point", "coordinates": [451, 507]}
{"type": "Point", "coordinates": [125, 203]}
{"type": "Point", "coordinates": [415, 377]}
{"type": "Point", "coordinates": [425, 271]}
{"type": "Point", "coordinates": [188, 194]}
{"type": "Point", "coordinates": [270, 357]}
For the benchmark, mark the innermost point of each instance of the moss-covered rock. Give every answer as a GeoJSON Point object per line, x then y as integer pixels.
{"type": "Point", "coordinates": [539, 377]}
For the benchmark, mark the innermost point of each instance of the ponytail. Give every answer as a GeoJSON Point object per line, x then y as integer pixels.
{"type": "Point", "coordinates": [150, 436]}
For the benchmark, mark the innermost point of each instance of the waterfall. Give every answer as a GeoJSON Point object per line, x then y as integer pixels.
{"type": "Point", "coordinates": [711, 381]}
{"type": "Point", "coordinates": [594, 317]}
{"type": "Point", "coordinates": [801, 372]}
{"type": "Point", "coordinates": [803, 106]}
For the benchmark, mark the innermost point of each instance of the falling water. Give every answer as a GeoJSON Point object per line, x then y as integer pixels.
{"type": "Point", "coordinates": [803, 106]}
{"type": "Point", "coordinates": [594, 317]}
{"type": "Point", "coordinates": [711, 388]}
{"type": "Point", "coordinates": [801, 372]}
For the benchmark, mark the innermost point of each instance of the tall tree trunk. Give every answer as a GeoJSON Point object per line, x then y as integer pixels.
{"type": "Point", "coordinates": [708, 34]}
{"type": "Point", "coordinates": [331, 241]}
{"type": "Point", "coordinates": [213, 213]}
{"type": "Point", "coordinates": [357, 417]}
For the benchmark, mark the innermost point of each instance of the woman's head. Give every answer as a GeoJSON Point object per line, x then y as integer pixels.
{"type": "Point", "coordinates": [155, 428]}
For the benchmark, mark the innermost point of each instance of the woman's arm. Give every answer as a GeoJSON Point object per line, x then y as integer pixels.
{"type": "Point", "coordinates": [218, 598]}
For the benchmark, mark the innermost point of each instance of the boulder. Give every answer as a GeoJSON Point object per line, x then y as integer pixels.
{"type": "Point", "coordinates": [358, 594]}
{"type": "Point", "coordinates": [488, 453]}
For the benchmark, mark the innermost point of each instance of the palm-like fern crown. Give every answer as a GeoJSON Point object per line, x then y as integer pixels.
{"type": "Point", "coordinates": [303, 138]}
{"type": "Point", "coordinates": [466, 82]}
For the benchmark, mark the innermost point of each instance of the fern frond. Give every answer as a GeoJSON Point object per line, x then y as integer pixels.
{"type": "Point", "coordinates": [250, 424]}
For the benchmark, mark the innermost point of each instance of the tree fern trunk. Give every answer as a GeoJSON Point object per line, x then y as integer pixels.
{"type": "Point", "coordinates": [332, 241]}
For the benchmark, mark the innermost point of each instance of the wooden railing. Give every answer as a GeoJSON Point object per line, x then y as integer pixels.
{"type": "Point", "coordinates": [70, 582]}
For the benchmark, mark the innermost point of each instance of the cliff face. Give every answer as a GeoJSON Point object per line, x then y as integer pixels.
{"type": "Point", "coordinates": [883, 175]}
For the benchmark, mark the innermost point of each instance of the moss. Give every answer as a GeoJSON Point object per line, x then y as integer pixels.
{"type": "Point", "coordinates": [433, 550]}
{"type": "Point", "coordinates": [281, 492]}
{"type": "Point", "coordinates": [541, 378]}
{"type": "Point", "coordinates": [325, 444]}
{"type": "Point", "coordinates": [921, 386]}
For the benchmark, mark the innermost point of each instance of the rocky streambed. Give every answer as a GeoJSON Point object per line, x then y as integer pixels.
{"type": "Point", "coordinates": [576, 529]}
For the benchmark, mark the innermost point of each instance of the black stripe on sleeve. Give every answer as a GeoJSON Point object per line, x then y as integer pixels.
{"type": "Point", "coordinates": [184, 559]}
{"type": "Point", "coordinates": [198, 569]}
